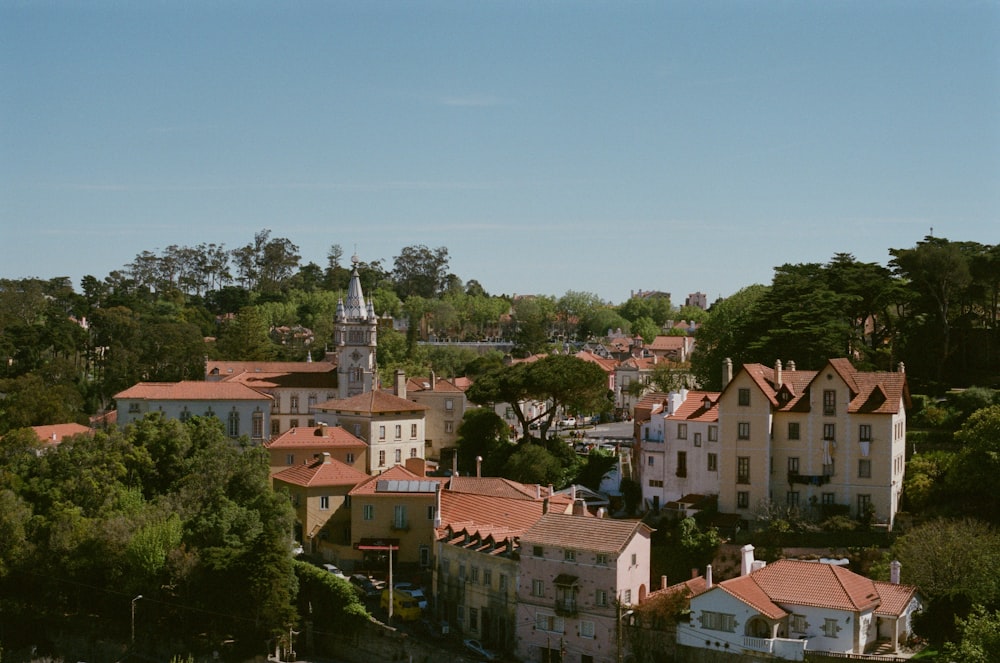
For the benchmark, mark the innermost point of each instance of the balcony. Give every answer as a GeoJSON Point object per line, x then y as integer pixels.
{"type": "Point", "coordinates": [808, 479]}
{"type": "Point", "coordinates": [566, 607]}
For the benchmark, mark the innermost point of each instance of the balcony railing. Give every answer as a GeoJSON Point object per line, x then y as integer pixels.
{"type": "Point", "coordinates": [808, 479]}
{"type": "Point", "coordinates": [566, 607]}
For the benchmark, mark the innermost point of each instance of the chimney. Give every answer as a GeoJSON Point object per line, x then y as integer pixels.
{"type": "Point", "coordinates": [400, 387]}
{"type": "Point", "coordinates": [901, 368]}
{"type": "Point", "coordinates": [479, 466]}
{"type": "Point", "coordinates": [777, 373]}
{"type": "Point", "coordinates": [433, 380]}
{"type": "Point", "coordinates": [791, 365]}
{"type": "Point", "coordinates": [545, 506]}
{"type": "Point", "coordinates": [572, 493]}
{"type": "Point", "coordinates": [727, 372]}
{"type": "Point", "coordinates": [708, 577]}
{"type": "Point", "coordinates": [579, 507]}
{"type": "Point", "coordinates": [538, 491]}
{"type": "Point", "coordinates": [663, 582]}
{"type": "Point", "coordinates": [437, 506]}
{"type": "Point", "coordinates": [601, 513]}
{"type": "Point", "coordinates": [894, 569]}
{"type": "Point", "coordinates": [746, 559]}
{"type": "Point", "coordinates": [326, 457]}
{"type": "Point", "coordinates": [454, 463]}
{"type": "Point", "coordinates": [416, 465]}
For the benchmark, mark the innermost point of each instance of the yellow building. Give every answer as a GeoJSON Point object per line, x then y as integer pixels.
{"type": "Point", "coordinates": [304, 444]}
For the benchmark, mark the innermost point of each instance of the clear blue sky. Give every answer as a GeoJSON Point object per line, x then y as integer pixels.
{"type": "Point", "coordinates": [550, 146]}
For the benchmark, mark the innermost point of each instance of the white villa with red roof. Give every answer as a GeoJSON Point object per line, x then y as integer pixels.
{"type": "Point", "coordinates": [679, 448]}
{"type": "Point", "coordinates": [789, 607]}
{"type": "Point", "coordinates": [243, 411]}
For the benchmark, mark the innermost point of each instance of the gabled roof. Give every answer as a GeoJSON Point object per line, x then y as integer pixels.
{"type": "Point", "coordinates": [790, 582]}
{"type": "Point", "coordinates": [322, 472]}
{"type": "Point", "coordinates": [607, 364]}
{"type": "Point", "coordinates": [190, 390]}
{"type": "Point", "coordinates": [693, 407]}
{"type": "Point", "coordinates": [371, 402]}
{"type": "Point", "coordinates": [501, 516]}
{"type": "Point", "coordinates": [496, 487]}
{"type": "Point", "coordinates": [668, 343]}
{"type": "Point", "coordinates": [437, 385]}
{"type": "Point", "coordinates": [315, 437]}
{"type": "Point", "coordinates": [895, 598]}
{"type": "Point", "coordinates": [584, 533]}
{"type": "Point", "coordinates": [396, 473]}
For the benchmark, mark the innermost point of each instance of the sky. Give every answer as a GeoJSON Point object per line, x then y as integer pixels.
{"type": "Point", "coordinates": [593, 146]}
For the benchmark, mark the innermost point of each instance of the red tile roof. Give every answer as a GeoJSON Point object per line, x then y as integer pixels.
{"type": "Point", "coordinates": [371, 402]}
{"type": "Point", "coordinates": [318, 380]}
{"type": "Point", "coordinates": [693, 407]}
{"type": "Point", "coordinates": [229, 368]}
{"type": "Point", "coordinates": [500, 516]}
{"type": "Point", "coordinates": [190, 390]}
{"type": "Point", "coordinates": [306, 437]}
{"type": "Point", "coordinates": [394, 473]}
{"type": "Point", "coordinates": [582, 532]}
{"type": "Point", "coordinates": [895, 598]}
{"type": "Point", "coordinates": [54, 434]}
{"type": "Point", "coordinates": [607, 364]}
{"type": "Point", "coordinates": [322, 472]}
{"type": "Point", "coordinates": [418, 384]}
{"type": "Point", "coordinates": [496, 487]}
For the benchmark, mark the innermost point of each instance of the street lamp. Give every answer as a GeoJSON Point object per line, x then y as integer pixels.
{"type": "Point", "coordinates": [133, 616]}
{"type": "Point", "coordinates": [618, 629]}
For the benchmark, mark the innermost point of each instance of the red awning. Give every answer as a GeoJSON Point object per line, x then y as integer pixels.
{"type": "Point", "coordinates": [377, 544]}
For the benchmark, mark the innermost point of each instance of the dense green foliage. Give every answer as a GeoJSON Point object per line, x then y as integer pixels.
{"type": "Point", "coordinates": [174, 512]}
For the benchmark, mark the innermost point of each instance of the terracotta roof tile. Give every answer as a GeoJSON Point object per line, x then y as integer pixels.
{"type": "Point", "coordinates": [581, 532]}
{"type": "Point", "coordinates": [190, 390]}
{"type": "Point", "coordinates": [441, 385]}
{"type": "Point", "coordinates": [496, 487]}
{"type": "Point", "coordinates": [795, 582]}
{"type": "Point", "coordinates": [396, 472]}
{"type": "Point", "coordinates": [371, 402]}
{"type": "Point", "coordinates": [895, 598]}
{"type": "Point", "coordinates": [54, 433]}
{"type": "Point", "coordinates": [328, 472]}
{"type": "Point", "coordinates": [305, 437]}
{"type": "Point", "coordinates": [693, 407]}
{"type": "Point", "coordinates": [490, 514]}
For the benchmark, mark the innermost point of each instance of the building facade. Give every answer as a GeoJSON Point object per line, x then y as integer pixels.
{"type": "Point", "coordinates": [303, 445]}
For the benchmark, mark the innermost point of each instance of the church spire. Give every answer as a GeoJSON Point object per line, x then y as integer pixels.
{"type": "Point", "coordinates": [354, 307]}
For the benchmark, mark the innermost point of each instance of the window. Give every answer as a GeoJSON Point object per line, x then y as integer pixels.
{"type": "Point", "coordinates": [793, 465]}
{"type": "Point", "coordinates": [650, 461]}
{"type": "Point", "coordinates": [449, 404]}
{"type": "Point", "coordinates": [829, 402]}
{"type": "Point", "coordinates": [697, 439]}
{"type": "Point", "coordinates": [324, 502]}
{"type": "Point", "coordinates": [234, 424]}
{"type": "Point", "coordinates": [399, 456]}
{"type": "Point", "coordinates": [682, 431]}
{"type": "Point", "coordinates": [502, 582]}
{"type": "Point", "coordinates": [289, 459]}
{"type": "Point", "coordinates": [829, 431]}
{"type": "Point", "coordinates": [349, 458]}
{"type": "Point", "coordinates": [399, 516]}
{"type": "Point", "coordinates": [713, 463]}
{"type": "Point", "coordinates": [446, 567]}
{"type": "Point", "coordinates": [682, 464]}
{"type": "Point", "coordinates": [830, 628]}
{"type": "Point", "coordinates": [381, 432]}
{"type": "Point", "coordinates": [275, 427]}
{"type": "Point", "coordinates": [449, 427]}
{"type": "Point", "coordinates": [186, 414]}
{"type": "Point", "coordinates": [601, 598]}
{"type": "Point", "coordinates": [257, 425]}
{"type": "Point", "coordinates": [461, 572]}
{"type": "Point", "coordinates": [549, 623]}
{"type": "Point", "coordinates": [425, 556]}
{"type": "Point", "coordinates": [792, 498]}
{"type": "Point", "coordinates": [537, 588]}
{"type": "Point", "coordinates": [368, 511]}
{"type": "Point", "coordinates": [743, 469]}
{"type": "Point", "coordinates": [586, 629]}
{"type": "Point", "coordinates": [865, 432]}
{"type": "Point", "coordinates": [713, 433]}
{"type": "Point", "coordinates": [743, 430]}
{"type": "Point", "coordinates": [742, 500]}
{"type": "Point", "coordinates": [743, 397]}
{"type": "Point", "coordinates": [627, 597]}
{"type": "Point", "coordinates": [133, 408]}
{"type": "Point", "coordinates": [827, 499]}
{"type": "Point", "coordinates": [655, 483]}
{"type": "Point", "coordinates": [569, 555]}
{"type": "Point", "coordinates": [864, 468]}
{"type": "Point", "coordinates": [793, 430]}
{"type": "Point", "coordinates": [294, 405]}
{"type": "Point", "coordinates": [473, 619]}
{"type": "Point", "coordinates": [718, 621]}
{"type": "Point", "coordinates": [413, 431]}
{"type": "Point", "coordinates": [828, 468]}
{"type": "Point", "coordinates": [864, 505]}
{"type": "Point", "coordinates": [460, 613]}
{"type": "Point", "coordinates": [413, 452]}
{"type": "Point", "coordinates": [474, 575]}
{"type": "Point", "coordinates": [537, 551]}
{"type": "Point", "coordinates": [797, 623]}
{"type": "Point", "coordinates": [357, 430]}
{"type": "Point", "coordinates": [487, 578]}
{"type": "Point", "coordinates": [633, 559]}
{"type": "Point", "coordinates": [431, 511]}
{"type": "Point", "coordinates": [381, 458]}
{"type": "Point", "coordinates": [293, 423]}
{"type": "Point", "coordinates": [399, 431]}
{"type": "Point", "coordinates": [601, 559]}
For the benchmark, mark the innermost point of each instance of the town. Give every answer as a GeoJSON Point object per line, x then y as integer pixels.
{"type": "Point", "coordinates": [576, 497]}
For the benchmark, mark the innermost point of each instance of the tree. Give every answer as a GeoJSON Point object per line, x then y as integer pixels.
{"type": "Point", "coordinates": [245, 337]}
{"type": "Point", "coordinates": [980, 638]}
{"type": "Point", "coordinates": [564, 382]}
{"type": "Point", "coordinates": [533, 319]}
{"type": "Point", "coordinates": [646, 328]}
{"type": "Point", "coordinates": [598, 464]}
{"type": "Point", "coordinates": [484, 434]}
{"type": "Point", "coordinates": [421, 271]}
{"type": "Point", "coordinates": [533, 463]}
{"type": "Point", "coordinates": [726, 334]}
{"type": "Point", "coordinates": [974, 476]}
{"type": "Point", "coordinates": [669, 376]}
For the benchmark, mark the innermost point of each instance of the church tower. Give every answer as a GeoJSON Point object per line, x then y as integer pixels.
{"type": "Point", "coordinates": [355, 335]}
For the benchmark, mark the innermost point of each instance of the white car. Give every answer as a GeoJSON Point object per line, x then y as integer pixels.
{"type": "Point", "coordinates": [478, 648]}
{"type": "Point", "coordinates": [335, 571]}
{"type": "Point", "coordinates": [568, 422]}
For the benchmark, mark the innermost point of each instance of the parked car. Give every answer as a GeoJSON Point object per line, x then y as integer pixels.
{"type": "Point", "coordinates": [332, 568]}
{"type": "Point", "coordinates": [414, 591]}
{"type": "Point", "coordinates": [366, 585]}
{"type": "Point", "coordinates": [477, 648]}
{"type": "Point", "coordinates": [567, 422]}
{"type": "Point", "coordinates": [403, 606]}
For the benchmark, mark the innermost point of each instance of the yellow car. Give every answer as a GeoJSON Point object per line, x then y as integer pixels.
{"type": "Point", "coordinates": [404, 606]}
